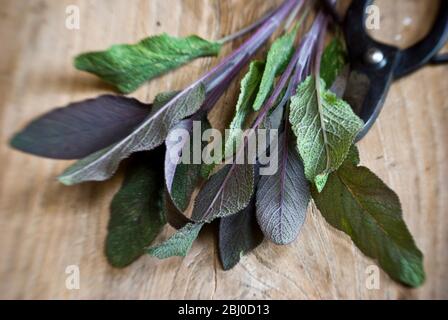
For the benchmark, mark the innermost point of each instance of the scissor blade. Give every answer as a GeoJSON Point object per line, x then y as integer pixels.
{"type": "Point", "coordinates": [366, 92]}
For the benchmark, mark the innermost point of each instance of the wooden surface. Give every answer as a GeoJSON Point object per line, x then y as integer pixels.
{"type": "Point", "coordinates": [44, 226]}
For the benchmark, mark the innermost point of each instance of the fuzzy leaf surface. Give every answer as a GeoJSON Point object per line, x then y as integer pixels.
{"type": "Point", "coordinates": [137, 214]}
{"type": "Point", "coordinates": [278, 58]}
{"type": "Point", "coordinates": [358, 203]}
{"type": "Point", "coordinates": [128, 66]}
{"type": "Point", "coordinates": [282, 198]}
{"type": "Point", "coordinates": [178, 244]}
{"type": "Point", "coordinates": [249, 89]}
{"type": "Point", "coordinates": [226, 192]}
{"type": "Point", "coordinates": [151, 133]}
{"type": "Point", "coordinates": [239, 234]}
{"type": "Point", "coordinates": [325, 127]}
{"type": "Point", "coordinates": [81, 128]}
{"type": "Point", "coordinates": [334, 59]}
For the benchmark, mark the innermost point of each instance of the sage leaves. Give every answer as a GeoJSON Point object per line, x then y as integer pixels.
{"type": "Point", "coordinates": [178, 244]}
{"type": "Point", "coordinates": [249, 88]}
{"type": "Point", "coordinates": [357, 202]}
{"type": "Point", "coordinates": [137, 214]}
{"type": "Point", "coordinates": [334, 59]}
{"type": "Point", "coordinates": [325, 127]}
{"type": "Point", "coordinates": [182, 175]}
{"type": "Point", "coordinates": [238, 235]}
{"type": "Point", "coordinates": [129, 66]}
{"type": "Point", "coordinates": [282, 198]}
{"type": "Point", "coordinates": [278, 58]}
{"type": "Point", "coordinates": [225, 193]}
{"type": "Point", "coordinates": [147, 136]}
{"type": "Point", "coordinates": [81, 128]}
{"type": "Point", "coordinates": [263, 188]}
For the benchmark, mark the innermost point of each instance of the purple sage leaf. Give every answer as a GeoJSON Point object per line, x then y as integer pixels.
{"type": "Point", "coordinates": [175, 218]}
{"type": "Point", "coordinates": [81, 128]}
{"type": "Point", "coordinates": [239, 234]}
{"type": "Point", "coordinates": [102, 164]}
{"type": "Point", "coordinates": [282, 198]}
{"type": "Point", "coordinates": [182, 177]}
{"type": "Point", "coordinates": [227, 192]}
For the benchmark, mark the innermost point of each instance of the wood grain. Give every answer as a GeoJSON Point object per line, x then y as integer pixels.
{"type": "Point", "coordinates": [44, 226]}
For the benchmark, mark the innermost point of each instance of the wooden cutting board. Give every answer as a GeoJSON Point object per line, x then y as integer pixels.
{"type": "Point", "coordinates": [45, 227]}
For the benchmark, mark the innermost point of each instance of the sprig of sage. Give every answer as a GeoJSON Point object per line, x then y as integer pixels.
{"type": "Point", "coordinates": [318, 161]}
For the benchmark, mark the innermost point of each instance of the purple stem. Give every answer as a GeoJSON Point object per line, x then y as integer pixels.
{"type": "Point", "coordinates": [219, 90]}
{"type": "Point", "coordinates": [247, 29]}
{"type": "Point", "coordinates": [320, 45]}
{"type": "Point", "coordinates": [315, 37]}
{"type": "Point", "coordinates": [219, 78]}
{"type": "Point", "coordinates": [239, 57]}
{"type": "Point", "coordinates": [300, 56]}
{"type": "Point", "coordinates": [298, 64]}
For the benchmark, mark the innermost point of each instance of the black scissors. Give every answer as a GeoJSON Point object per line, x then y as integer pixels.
{"type": "Point", "coordinates": [374, 65]}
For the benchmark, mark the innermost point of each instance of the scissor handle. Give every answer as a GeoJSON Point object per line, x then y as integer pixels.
{"type": "Point", "coordinates": [376, 65]}
{"type": "Point", "coordinates": [410, 59]}
{"type": "Point", "coordinates": [422, 52]}
{"type": "Point", "coordinates": [366, 100]}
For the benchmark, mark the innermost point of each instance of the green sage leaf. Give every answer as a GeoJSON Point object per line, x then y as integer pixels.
{"type": "Point", "coordinates": [129, 66]}
{"type": "Point", "coordinates": [137, 215]}
{"type": "Point", "coordinates": [333, 61]}
{"type": "Point", "coordinates": [278, 58]}
{"type": "Point", "coordinates": [249, 88]}
{"type": "Point", "coordinates": [358, 203]}
{"type": "Point", "coordinates": [353, 156]}
{"type": "Point", "coordinates": [178, 244]}
{"type": "Point", "coordinates": [325, 127]}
